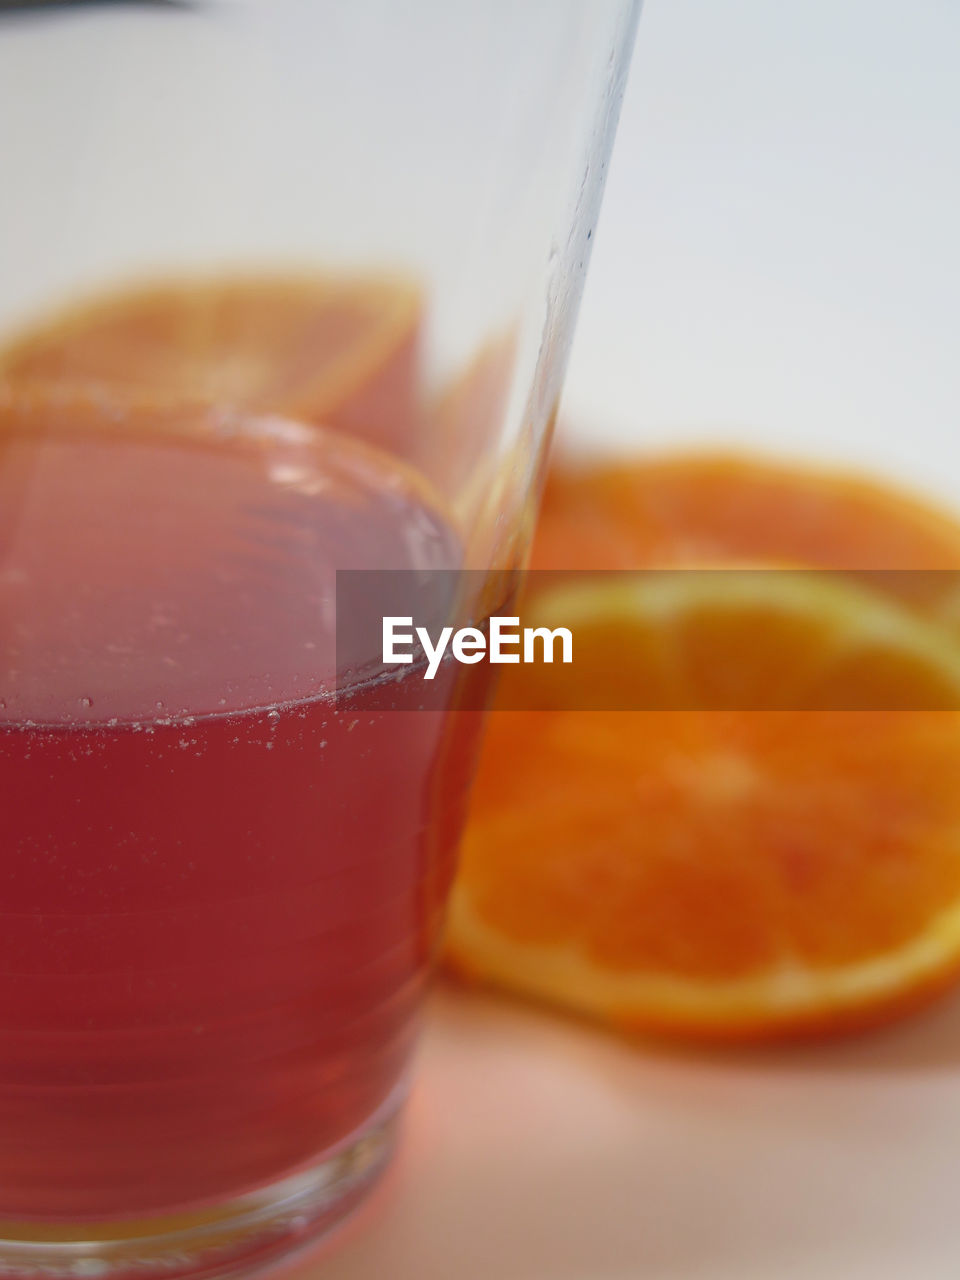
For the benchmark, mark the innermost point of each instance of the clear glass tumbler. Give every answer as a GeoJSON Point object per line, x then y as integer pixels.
{"type": "Point", "coordinates": [288, 287]}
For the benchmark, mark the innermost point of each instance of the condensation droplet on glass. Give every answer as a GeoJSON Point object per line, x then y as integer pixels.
{"type": "Point", "coordinates": [86, 703]}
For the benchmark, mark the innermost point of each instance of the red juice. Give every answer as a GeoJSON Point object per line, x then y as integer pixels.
{"type": "Point", "coordinates": [219, 890]}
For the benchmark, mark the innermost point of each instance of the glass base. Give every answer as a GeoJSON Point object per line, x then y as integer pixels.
{"type": "Point", "coordinates": [251, 1233]}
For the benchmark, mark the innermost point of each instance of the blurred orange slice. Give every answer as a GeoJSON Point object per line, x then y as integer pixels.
{"type": "Point", "coordinates": [720, 508]}
{"type": "Point", "coordinates": [739, 640]}
{"type": "Point", "coordinates": [337, 351]}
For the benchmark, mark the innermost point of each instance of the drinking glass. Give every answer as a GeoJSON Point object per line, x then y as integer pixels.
{"type": "Point", "coordinates": [288, 287]}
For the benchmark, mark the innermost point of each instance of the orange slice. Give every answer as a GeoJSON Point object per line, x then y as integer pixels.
{"type": "Point", "coordinates": [719, 508]}
{"type": "Point", "coordinates": [337, 351]}
{"type": "Point", "coordinates": [723, 873]}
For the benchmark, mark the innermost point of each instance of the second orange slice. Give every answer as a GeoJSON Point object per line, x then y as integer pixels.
{"type": "Point", "coordinates": [334, 350]}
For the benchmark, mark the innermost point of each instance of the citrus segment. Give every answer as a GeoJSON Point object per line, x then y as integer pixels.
{"type": "Point", "coordinates": [749, 640]}
{"type": "Point", "coordinates": [717, 874]}
{"type": "Point", "coordinates": [721, 508]}
{"type": "Point", "coordinates": [337, 351]}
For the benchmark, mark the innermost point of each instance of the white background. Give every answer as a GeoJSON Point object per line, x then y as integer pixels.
{"type": "Point", "coordinates": [777, 262]}
{"type": "Point", "coordinates": [778, 256]}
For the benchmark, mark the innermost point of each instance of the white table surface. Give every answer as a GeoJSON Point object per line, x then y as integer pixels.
{"type": "Point", "coordinates": [777, 262]}
{"type": "Point", "coordinates": [537, 1149]}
